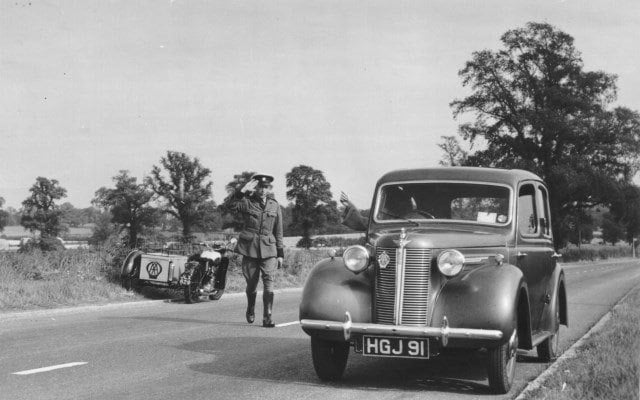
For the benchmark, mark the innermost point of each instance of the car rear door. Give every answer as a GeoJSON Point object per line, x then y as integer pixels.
{"type": "Point", "coordinates": [534, 246]}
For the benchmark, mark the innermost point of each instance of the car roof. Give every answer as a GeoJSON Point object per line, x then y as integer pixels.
{"type": "Point", "coordinates": [474, 174]}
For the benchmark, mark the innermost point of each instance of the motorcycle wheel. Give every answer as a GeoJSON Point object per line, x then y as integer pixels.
{"type": "Point", "coordinates": [191, 290]}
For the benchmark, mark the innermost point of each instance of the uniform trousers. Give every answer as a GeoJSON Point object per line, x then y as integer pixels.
{"type": "Point", "coordinates": [252, 268]}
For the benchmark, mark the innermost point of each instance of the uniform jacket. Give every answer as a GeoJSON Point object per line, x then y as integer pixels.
{"type": "Point", "coordinates": [261, 236]}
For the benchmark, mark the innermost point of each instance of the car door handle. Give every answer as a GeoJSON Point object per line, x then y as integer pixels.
{"type": "Point", "coordinates": [555, 255]}
{"type": "Point", "coordinates": [521, 254]}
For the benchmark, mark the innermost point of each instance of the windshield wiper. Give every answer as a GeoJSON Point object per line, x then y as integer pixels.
{"type": "Point", "coordinates": [415, 223]}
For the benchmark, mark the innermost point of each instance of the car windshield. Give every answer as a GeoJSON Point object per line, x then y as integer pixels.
{"type": "Point", "coordinates": [468, 202]}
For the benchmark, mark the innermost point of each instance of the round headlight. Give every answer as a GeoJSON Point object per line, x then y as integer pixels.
{"type": "Point", "coordinates": [356, 259]}
{"type": "Point", "coordinates": [450, 262]}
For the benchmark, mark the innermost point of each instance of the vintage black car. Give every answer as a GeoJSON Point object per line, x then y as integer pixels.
{"type": "Point", "coordinates": [456, 257]}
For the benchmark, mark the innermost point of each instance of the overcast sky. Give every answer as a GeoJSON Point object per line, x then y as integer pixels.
{"type": "Point", "coordinates": [353, 88]}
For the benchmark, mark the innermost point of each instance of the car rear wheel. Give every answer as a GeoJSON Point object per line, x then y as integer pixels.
{"type": "Point", "coordinates": [329, 358]}
{"type": "Point", "coordinates": [549, 348]}
{"type": "Point", "coordinates": [501, 364]}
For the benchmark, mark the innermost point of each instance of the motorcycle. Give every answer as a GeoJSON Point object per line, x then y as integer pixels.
{"type": "Point", "coordinates": [205, 272]}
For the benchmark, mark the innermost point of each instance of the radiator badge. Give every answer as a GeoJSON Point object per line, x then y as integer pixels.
{"type": "Point", "coordinates": [403, 239]}
{"type": "Point", "coordinates": [383, 259]}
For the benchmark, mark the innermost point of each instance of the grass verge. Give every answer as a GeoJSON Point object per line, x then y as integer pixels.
{"type": "Point", "coordinates": [40, 280]}
{"type": "Point", "coordinates": [606, 366]}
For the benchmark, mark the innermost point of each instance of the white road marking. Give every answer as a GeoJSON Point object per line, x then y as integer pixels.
{"type": "Point", "coordinates": [51, 368]}
{"type": "Point", "coordinates": [287, 324]}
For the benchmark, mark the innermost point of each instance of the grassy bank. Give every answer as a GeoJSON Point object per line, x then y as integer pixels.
{"type": "Point", "coordinates": [607, 366]}
{"type": "Point", "coordinates": [91, 276]}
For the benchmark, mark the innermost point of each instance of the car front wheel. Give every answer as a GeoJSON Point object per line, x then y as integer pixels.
{"type": "Point", "coordinates": [501, 365]}
{"type": "Point", "coordinates": [329, 358]}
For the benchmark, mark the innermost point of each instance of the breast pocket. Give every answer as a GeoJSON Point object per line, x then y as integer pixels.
{"type": "Point", "coordinates": [270, 218]}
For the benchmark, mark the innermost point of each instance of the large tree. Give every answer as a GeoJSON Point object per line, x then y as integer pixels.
{"type": "Point", "coordinates": [625, 211]}
{"type": "Point", "coordinates": [536, 108]}
{"type": "Point", "coordinates": [313, 202]}
{"type": "Point", "coordinates": [41, 213]}
{"type": "Point", "coordinates": [129, 205]}
{"type": "Point", "coordinates": [231, 219]}
{"type": "Point", "coordinates": [184, 188]}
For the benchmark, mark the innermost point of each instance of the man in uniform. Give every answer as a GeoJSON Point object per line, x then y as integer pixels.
{"type": "Point", "coordinates": [260, 242]}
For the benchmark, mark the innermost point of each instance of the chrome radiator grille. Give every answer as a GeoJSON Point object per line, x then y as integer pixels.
{"type": "Point", "coordinates": [414, 288]}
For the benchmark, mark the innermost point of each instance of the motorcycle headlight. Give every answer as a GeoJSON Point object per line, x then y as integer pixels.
{"type": "Point", "coordinates": [450, 262]}
{"type": "Point", "coordinates": [356, 259]}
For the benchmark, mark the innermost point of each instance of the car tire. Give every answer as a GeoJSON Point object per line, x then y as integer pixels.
{"type": "Point", "coordinates": [501, 364]}
{"type": "Point", "coordinates": [548, 349]}
{"type": "Point", "coordinates": [329, 358]}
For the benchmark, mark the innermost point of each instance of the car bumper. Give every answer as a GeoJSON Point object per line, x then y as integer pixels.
{"type": "Point", "coordinates": [444, 332]}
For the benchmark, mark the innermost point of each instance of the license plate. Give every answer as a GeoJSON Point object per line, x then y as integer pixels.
{"type": "Point", "coordinates": [380, 346]}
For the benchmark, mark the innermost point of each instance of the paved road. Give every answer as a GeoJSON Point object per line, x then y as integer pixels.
{"type": "Point", "coordinates": [166, 350]}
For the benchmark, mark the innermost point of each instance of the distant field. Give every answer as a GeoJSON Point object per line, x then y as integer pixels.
{"type": "Point", "coordinates": [17, 232]}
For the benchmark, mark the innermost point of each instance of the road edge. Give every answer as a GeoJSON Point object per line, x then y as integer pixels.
{"type": "Point", "coordinates": [109, 306]}
{"type": "Point", "coordinates": [571, 352]}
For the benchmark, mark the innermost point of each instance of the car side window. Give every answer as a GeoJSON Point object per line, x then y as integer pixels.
{"type": "Point", "coordinates": [546, 227]}
{"type": "Point", "coordinates": [527, 213]}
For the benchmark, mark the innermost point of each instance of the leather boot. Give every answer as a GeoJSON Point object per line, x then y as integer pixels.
{"type": "Point", "coordinates": [251, 304]}
{"type": "Point", "coordinates": [267, 299]}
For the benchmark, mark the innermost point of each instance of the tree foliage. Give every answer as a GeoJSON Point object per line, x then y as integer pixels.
{"type": "Point", "coordinates": [612, 231]}
{"type": "Point", "coordinates": [184, 188]}
{"type": "Point", "coordinates": [129, 205]}
{"type": "Point", "coordinates": [4, 215]}
{"type": "Point", "coordinates": [453, 155]}
{"type": "Point", "coordinates": [625, 211]}
{"type": "Point", "coordinates": [40, 212]}
{"type": "Point", "coordinates": [536, 108]}
{"type": "Point", "coordinates": [210, 220]}
{"type": "Point", "coordinates": [104, 229]}
{"type": "Point", "coordinates": [314, 206]}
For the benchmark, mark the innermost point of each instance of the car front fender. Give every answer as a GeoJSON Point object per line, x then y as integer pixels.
{"type": "Point", "coordinates": [487, 297]}
{"type": "Point", "coordinates": [331, 290]}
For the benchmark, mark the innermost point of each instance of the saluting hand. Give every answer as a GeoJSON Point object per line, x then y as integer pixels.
{"type": "Point", "coordinates": [249, 186]}
{"type": "Point", "coordinates": [344, 199]}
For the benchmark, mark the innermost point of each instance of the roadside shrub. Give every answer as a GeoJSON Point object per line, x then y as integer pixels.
{"type": "Point", "coordinates": [42, 244]}
{"type": "Point", "coordinates": [594, 253]}
{"type": "Point", "coordinates": [304, 243]}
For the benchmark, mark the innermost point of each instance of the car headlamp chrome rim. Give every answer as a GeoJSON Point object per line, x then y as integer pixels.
{"type": "Point", "coordinates": [356, 259]}
{"type": "Point", "coordinates": [450, 262]}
